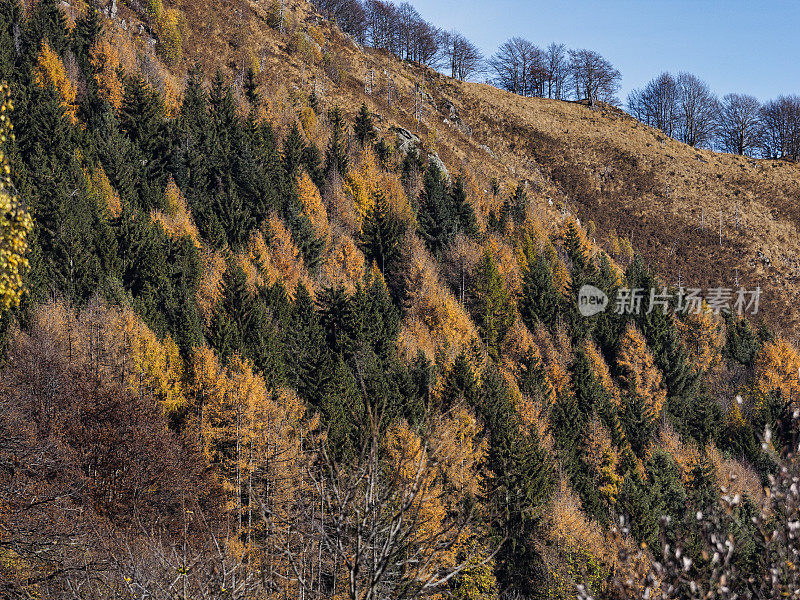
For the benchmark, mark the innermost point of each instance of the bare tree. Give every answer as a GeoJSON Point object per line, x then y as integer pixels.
{"type": "Point", "coordinates": [698, 109]}
{"type": "Point", "coordinates": [657, 103]}
{"type": "Point", "coordinates": [462, 56]}
{"type": "Point", "coordinates": [517, 65]}
{"type": "Point", "coordinates": [349, 15]}
{"type": "Point", "coordinates": [386, 523]}
{"type": "Point", "coordinates": [555, 57]}
{"type": "Point", "coordinates": [594, 77]}
{"type": "Point", "coordinates": [382, 25]}
{"type": "Point", "coordinates": [780, 136]}
{"type": "Point", "coordinates": [739, 124]}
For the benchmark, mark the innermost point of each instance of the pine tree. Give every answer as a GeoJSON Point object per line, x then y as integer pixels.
{"type": "Point", "coordinates": [194, 108]}
{"type": "Point", "coordinates": [460, 384]}
{"type": "Point", "coordinates": [491, 305]}
{"type": "Point", "coordinates": [251, 88]}
{"type": "Point", "coordinates": [515, 207]}
{"type": "Point", "coordinates": [540, 302]}
{"type": "Point", "coordinates": [462, 209]}
{"type": "Point", "coordinates": [381, 240]}
{"type": "Point", "coordinates": [741, 343]}
{"type": "Point", "coordinates": [701, 484]}
{"type": "Point", "coordinates": [307, 356]}
{"type": "Point", "coordinates": [87, 30]}
{"type": "Point", "coordinates": [518, 487]}
{"type": "Point", "coordinates": [46, 24]}
{"type": "Point", "coordinates": [643, 393]}
{"type": "Point", "coordinates": [312, 161]}
{"type": "Point", "coordinates": [340, 321]}
{"type": "Point", "coordinates": [438, 223]}
{"type": "Point", "coordinates": [636, 503]}
{"type": "Point", "coordinates": [363, 127]}
{"type": "Point", "coordinates": [342, 407]}
{"type": "Point", "coordinates": [10, 17]}
{"type": "Point", "coordinates": [293, 151]}
{"type": "Point", "coordinates": [573, 244]}
{"type": "Point", "coordinates": [336, 156]}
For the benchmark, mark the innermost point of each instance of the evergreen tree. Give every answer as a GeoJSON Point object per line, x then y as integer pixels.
{"type": "Point", "coordinates": [573, 244]}
{"type": "Point", "coordinates": [251, 88]}
{"type": "Point", "coordinates": [515, 206]}
{"type": "Point", "coordinates": [312, 161]}
{"type": "Point", "coordinates": [308, 364]}
{"type": "Point", "coordinates": [741, 343]}
{"type": "Point", "coordinates": [336, 156]}
{"type": "Point", "coordinates": [636, 504]}
{"type": "Point", "coordinates": [462, 209]}
{"type": "Point", "coordinates": [491, 305]}
{"type": "Point", "coordinates": [460, 384]}
{"type": "Point", "coordinates": [293, 151]}
{"type": "Point", "coordinates": [87, 30]}
{"type": "Point", "coordinates": [381, 241]}
{"type": "Point", "coordinates": [438, 223]}
{"type": "Point", "coordinates": [540, 302]}
{"type": "Point", "coordinates": [340, 321]}
{"type": "Point", "coordinates": [382, 152]}
{"type": "Point", "coordinates": [363, 127]}
{"type": "Point", "coordinates": [518, 487]}
{"type": "Point", "coordinates": [46, 24]}
{"type": "Point", "coordinates": [10, 19]}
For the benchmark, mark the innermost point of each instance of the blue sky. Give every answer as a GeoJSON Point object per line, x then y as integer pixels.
{"type": "Point", "coordinates": [736, 46]}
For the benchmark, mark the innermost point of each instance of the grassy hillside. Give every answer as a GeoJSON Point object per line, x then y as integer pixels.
{"type": "Point", "coordinates": [600, 164]}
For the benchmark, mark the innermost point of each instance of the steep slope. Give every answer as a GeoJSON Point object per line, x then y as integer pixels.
{"type": "Point", "coordinates": [596, 163]}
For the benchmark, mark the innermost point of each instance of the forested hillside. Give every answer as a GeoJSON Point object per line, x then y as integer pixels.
{"type": "Point", "coordinates": [271, 330]}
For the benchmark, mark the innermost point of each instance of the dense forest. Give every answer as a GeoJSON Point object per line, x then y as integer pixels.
{"type": "Point", "coordinates": [253, 347]}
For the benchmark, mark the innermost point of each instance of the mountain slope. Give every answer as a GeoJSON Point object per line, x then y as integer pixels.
{"type": "Point", "coordinates": [598, 164]}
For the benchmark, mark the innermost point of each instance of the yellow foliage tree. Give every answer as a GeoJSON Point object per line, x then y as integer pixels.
{"type": "Point", "coordinates": [702, 335]}
{"type": "Point", "coordinates": [105, 60]}
{"type": "Point", "coordinates": [777, 369]}
{"type": "Point", "coordinates": [157, 365]}
{"type": "Point", "coordinates": [308, 119]}
{"type": "Point", "coordinates": [603, 458]}
{"type": "Point", "coordinates": [411, 468]}
{"type": "Point", "coordinates": [169, 26]}
{"type": "Point", "coordinates": [50, 71]}
{"type": "Point", "coordinates": [103, 192]}
{"type": "Point", "coordinates": [313, 208]}
{"type": "Point", "coordinates": [210, 289]}
{"type": "Point", "coordinates": [15, 221]}
{"type": "Point", "coordinates": [176, 220]}
{"type": "Point", "coordinates": [640, 376]}
{"type": "Point", "coordinates": [344, 264]}
{"type": "Point", "coordinates": [256, 440]}
{"type": "Point", "coordinates": [459, 449]}
{"type": "Point", "coordinates": [601, 372]}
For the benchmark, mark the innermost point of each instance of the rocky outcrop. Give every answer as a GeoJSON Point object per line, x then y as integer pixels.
{"type": "Point", "coordinates": [405, 140]}
{"type": "Point", "coordinates": [434, 158]}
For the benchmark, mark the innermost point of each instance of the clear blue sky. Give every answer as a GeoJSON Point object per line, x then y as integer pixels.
{"type": "Point", "coordinates": [735, 45]}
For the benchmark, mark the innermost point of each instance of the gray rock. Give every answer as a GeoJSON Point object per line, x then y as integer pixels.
{"type": "Point", "coordinates": [434, 158]}
{"type": "Point", "coordinates": [405, 140]}
{"type": "Point", "coordinates": [488, 150]}
{"type": "Point", "coordinates": [112, 9]}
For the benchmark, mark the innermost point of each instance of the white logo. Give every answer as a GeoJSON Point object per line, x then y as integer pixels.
{"type": "Point", "coordinates": [591, 301]}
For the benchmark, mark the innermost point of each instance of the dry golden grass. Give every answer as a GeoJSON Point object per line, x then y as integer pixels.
{"type": "Point", "coordinates": [597, 164]}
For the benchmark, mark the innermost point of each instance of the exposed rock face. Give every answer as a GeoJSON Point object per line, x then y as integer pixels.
{"type": "Point", "coordinates": [452, 118]}
{"type": "Point", "coordinates": [405, 140]}
{"type": "Point", "coordinates": [434, 158]}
